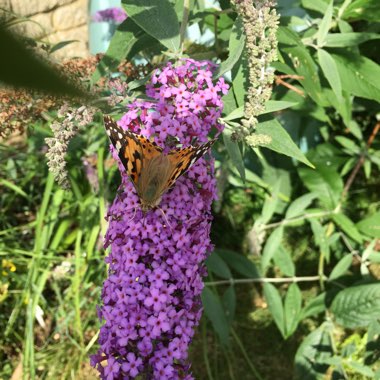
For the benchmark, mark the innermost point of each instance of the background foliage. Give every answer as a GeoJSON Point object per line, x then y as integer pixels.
{"type": "Point", "coordinates": [293, 288]}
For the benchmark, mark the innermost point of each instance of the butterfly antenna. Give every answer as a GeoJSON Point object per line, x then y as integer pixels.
{"type": "Point", "coordinates": [166, 219]}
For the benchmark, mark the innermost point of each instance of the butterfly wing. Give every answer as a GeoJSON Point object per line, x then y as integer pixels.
{"type": "Point", "coordinates": [182, 159]}
{"type": "Point", "coordinates": [134, 151]}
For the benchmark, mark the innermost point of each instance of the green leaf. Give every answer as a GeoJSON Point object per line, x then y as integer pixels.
{"type": "Point", "coordinates": [283, 260]}
{"type": "Point", "coordinates": [341, 267]}
{"type": "Point", "coordinates": [319, 6]}
{"type": "Point", "coordinates": [349, 39]}
{"type": "Point", "coordinates": [349, 144]}
{"type": "Point", "coordinates": [359, 75]}
{"type": "Point", "coordinates": [271, 201]}
{"type": "Point", "coordinates": [357, 306]}
{"type": "Point", "coordinates": [216, 264]}
{"type": "Point", "coordinates": [126, 35]}
{"type": "Point", "coordinates": [320, 237]}
{"type": "Point", "coordinates": [303, 64]}
{"type": "Point", "coordinates": [292, 308]}
{"type": "Point", "coordinates": [372, 354]}
{"type": "Point", "coordinates": [158, 19]}
{"type": "Point", "coordinates": [10, 185]}
{"type": "Point", "coordinates": [229, 303]}
{"type": "Point", "coordinates": [132, 85]}
{"type": "Point", "coordinates": [316, 306]}
{"type": "Point", "coordinates": [271, 246]}
{"type": "Point", "coordinates": [312, 354]}
{"type": "Point", "coordinates": [362, 10]}
{"type": "Point", "coordinates": [347, 226]}
{"type": "Point", "coordinates": [273, 299]}
{"type": "Point", "coordinates": [239, 263]}
{"type": "Point", "coordinates": [215, 313]}
{"type": "Point", "coordinates": [330, 71]}
{"type": "Point", "coordinates": [234, 152]}
{"type": "Point", "coordinates": [370, 226]}
{"type": "Point", "coordinates": [299, 205]}
{"type": "Point", "coordinates": [277, 105]}
{"type": "Point", "coordinates": [60, 45]}
{"type": "Point", "coordinates": [325, 182]}
{"type": "Point", "coordinates": [240, 81]}
{"type": "Point", "coordinates": [281, 142]}
{"type": "Point", "coordinates": [360, 368]}
{"type": "Point", "coordinates": [325, 25]}
{"type": "Point", "coordinates": [236, 47]}
{"type": "Point", "coordinates": [237, 113]}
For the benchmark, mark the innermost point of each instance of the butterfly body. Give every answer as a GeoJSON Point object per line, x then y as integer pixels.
{"type": "Point", "coordinates": [151, 171]}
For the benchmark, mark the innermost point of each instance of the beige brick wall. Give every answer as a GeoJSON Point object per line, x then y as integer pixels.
{"type": "Point", "coordinates": [54, 21]}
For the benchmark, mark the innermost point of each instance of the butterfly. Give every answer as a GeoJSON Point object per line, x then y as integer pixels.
{"type": "Point", "coordinates": [151, 171]}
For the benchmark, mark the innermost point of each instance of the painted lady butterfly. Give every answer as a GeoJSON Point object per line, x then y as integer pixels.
{"type": "Point", "coordinates": [151, 171]}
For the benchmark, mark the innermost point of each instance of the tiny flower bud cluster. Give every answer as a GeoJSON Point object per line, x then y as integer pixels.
{"type": "Point", "coordinates": [260, 23]}
{"type": "Point", "coordinates": [64, 131]}
{"type": "Point", "coordinates": [151, 299]}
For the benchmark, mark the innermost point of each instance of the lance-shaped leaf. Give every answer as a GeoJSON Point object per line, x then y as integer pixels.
{"type": "Point", "coordinates": [157, 18]}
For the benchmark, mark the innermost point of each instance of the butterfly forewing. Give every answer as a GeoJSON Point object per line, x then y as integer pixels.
{"type": "Point", "coordinates": [133, 150]}
{"type": "Point", "coordinates": [182, 159]}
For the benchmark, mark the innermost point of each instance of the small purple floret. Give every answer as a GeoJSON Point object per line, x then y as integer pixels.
{"type": "Point", "coordinates": [115, 15]}
{"type": "Point", "coordinates": [151, 299]}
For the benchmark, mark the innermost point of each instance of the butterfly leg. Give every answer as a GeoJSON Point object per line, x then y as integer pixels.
{"type": "Point", "coordinates": [134, 214]}
{"type": "Point", "coordinates": [166, 219]}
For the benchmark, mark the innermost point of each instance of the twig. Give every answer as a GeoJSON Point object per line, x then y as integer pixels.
{"type": "Point", "coordinates": [280, 81]}
{"type": "Point", "coordinates": [360, 162]}
{"type": "Point", "coordinates": [233, 281]}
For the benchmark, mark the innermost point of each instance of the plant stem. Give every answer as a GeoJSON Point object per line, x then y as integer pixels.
{"type": "Point", "coordinates": [233, 281]}
{"type": "Point", "coordinates": [360, 162]}
{"type": "Point", "coordinates": [205, 353]}
{"type": "Point", "coordinates": [185, 18]}
{"type": "Point", "coordinates": [246, 357]}
{"type": "Point", "coordinates": [297, 219]}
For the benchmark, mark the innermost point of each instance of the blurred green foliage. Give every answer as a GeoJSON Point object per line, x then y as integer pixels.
{"type": "Point", "coordinates": [293, 288]}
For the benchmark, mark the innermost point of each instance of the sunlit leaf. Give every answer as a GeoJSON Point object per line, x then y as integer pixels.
{"type": "Point", "coordinates": [357, 306]}
{"type": "Point", "coordinates": [280, 140]}
{"type": "Point", "coordinates": [273, 299]}
{"type": "Point", "coordinates": [158, 19]}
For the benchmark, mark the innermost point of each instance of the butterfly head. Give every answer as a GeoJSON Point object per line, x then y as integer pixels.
{"type": "Point", "coordinates": [149, 205]}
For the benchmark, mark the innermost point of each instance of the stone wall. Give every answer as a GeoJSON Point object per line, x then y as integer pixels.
{"type": "Point", "coordinates": [54, 21]}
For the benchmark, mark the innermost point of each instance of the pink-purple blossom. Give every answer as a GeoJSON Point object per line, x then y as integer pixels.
{"type": "Point", "coordinates": [151, 299]}
{"type": "Point", "coordinates": [115, 15]}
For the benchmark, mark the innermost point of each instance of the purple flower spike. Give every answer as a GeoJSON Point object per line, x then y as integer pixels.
{"type": "Point", "coordinates": [151, 299]}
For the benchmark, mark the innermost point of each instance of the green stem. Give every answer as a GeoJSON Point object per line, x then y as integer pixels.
{"type": "Point", "coordinates": [185, 18]}
{"type": "Point", "coordinates": [76, 286]}
{"type": "Point", "coordinates": [205, 353]}
{"type": "Point", "coordinates": [280, 280]}
{"type": "Point", "coordinates": [246, 357]}
{"type": "Point", "coordinates": [321, 266]}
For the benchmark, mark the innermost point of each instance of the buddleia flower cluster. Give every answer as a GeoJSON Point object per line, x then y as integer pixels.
{"type": "Point", "coordinates": [260, 23]}
{"type": "Point", "coordinates": [151, 299]}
